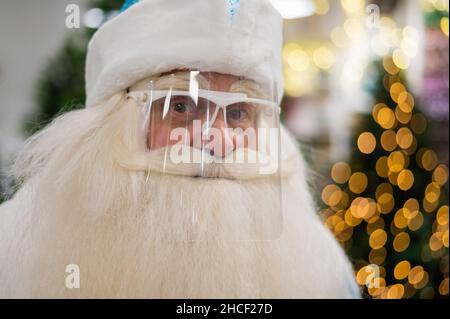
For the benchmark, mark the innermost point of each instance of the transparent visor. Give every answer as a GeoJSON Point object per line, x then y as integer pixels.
{"type": "Point", "coordinates": [215, 139]}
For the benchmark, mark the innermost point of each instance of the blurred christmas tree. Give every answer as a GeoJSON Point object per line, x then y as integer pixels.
{"type": "Point", "coordinates": [388, 206]}
{"type": "Point", "coordinates": [61, 87]}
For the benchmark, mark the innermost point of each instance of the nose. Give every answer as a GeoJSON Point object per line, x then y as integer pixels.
{"type": "Point", "coordinates": [218, 139]}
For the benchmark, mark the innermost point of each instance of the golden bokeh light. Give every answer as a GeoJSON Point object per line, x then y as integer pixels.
{"type": "Point", "coordinates": [401, 242]}
{"type": "Point", "coordinates": [445, 238]}
{"type": "Point", "coordinates": [435, 242]}
{"type": "Point", "coordinates": [416, 222]}
{"type": "Point", "coordinates": [443, 287]}
{"type": "Point", "coordinates": [433, 192]}
{"type": "Point", "coordinates": [374, 291]}
{"type": "Point", "coordinates": [364, 208]}
{"type": "Point", "coordinates": [400, 221]}
{"type": "Point", "coordinates": [442, 215]}
{"type": "Point", "coordinates": [404, 137]}
{"type": "Point", "coordinates": [334, 223]}
{"type": "Point", "coordinates": [402, 117]}
{"type": "Point", "coordinates": [358, 183]}
{"type": "Point", "coordinates": [396, 161]}
{"type": "Point", "coordinates": [367, 143]}
{"type": "Point", "coordinates": [371, 276]}
{"type": "Point", "coordinates": [405, 180]}
{"type": "Point", "coordinates": [331, 195]}
{"type": "Point", "coordinates": [386, 118]}
{"type": "Point", "coordinates": [343, 232]}
{"type": "Point", "coordinates": [385, 203]}
{"type": "Point", "coordinates": [361, 276]}
{"type": "Point", "coordinates": [401, 59]}
{"type": "Point", "coordinates": [429, 160]}
{"type": "Point", "coordinates": [343, 202]}
{"type": "Point", "coordinates": [413, 148]}
{"type": "Point", "coordinates": [396, 91]}
{"type": "Point", "coordinates": [382, 167]}
{"type": "Point", "coordinates": [429, 207]}
{"type": "Point", "coordinates": [376, 216]}
{"type": "Point", "coordinates": [405, 101]}
{"type": "Point", "coordinates": [396, 292]}
{"type": "Point", "coordinates": [440, 175]}
{"type": "Point", "coordinates": [389, 140]}
{"type": "Point", "coordinates": [341, 172]}
{"type": "Point", "coordinates": [378, 239]}
{"type": "Point", "coordinates": [376, 109]}
{"type": "Point", "coordinates": [351, 220]}
{"type": "Point", "coordinates": [416, 275]}
{"type": "Point", "coordinates": [402, 270]}
{"type": "Point", "coordinates": [423, 282]}
{"type": "Point", "coordinates": [411, 208]}
{"type": "Point", "coordinates": [393, 178]}
{"type": "Point", "coordinates": [389, 65]}
{"type": "Point", "coordinates": [444, 23]}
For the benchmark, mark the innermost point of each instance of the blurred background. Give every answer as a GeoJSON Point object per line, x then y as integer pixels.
{"type": "Point", "coordinates": [366, 95]}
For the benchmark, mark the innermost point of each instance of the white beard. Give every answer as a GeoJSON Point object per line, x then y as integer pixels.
{"type": "Point", "coordinates": [132, 236]}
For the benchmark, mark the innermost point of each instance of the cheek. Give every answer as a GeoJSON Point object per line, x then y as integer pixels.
{"type": "Point", "coordinates": [158, 137]}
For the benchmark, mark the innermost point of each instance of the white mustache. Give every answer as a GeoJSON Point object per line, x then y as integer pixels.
{"type": "Point", "coordinates": [188, 161]}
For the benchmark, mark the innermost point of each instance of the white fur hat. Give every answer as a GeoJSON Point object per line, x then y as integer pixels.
{"type": "Point", "coordinates": [155, 36]}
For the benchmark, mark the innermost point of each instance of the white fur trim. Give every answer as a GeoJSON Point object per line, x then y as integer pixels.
{"type": "Point", "coordinates": [157, 36]}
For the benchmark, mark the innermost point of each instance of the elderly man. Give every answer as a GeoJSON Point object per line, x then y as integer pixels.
{"type": "Point", "coordinates": [177, 180]}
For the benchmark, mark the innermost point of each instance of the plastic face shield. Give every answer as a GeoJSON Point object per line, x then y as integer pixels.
{"type": "Point", "coordinates": [213, 127]}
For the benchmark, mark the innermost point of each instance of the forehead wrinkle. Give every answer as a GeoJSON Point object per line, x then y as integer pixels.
{"type": "Point", "coordinates": [249, 87]}
{"type": "Point", "coordinates": [179, 81]}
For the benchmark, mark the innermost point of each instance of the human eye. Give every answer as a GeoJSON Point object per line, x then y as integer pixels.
{"type": "Point", "coordinates": [240, 112]}
{"type": "Point", "coordinates": [182, 105]}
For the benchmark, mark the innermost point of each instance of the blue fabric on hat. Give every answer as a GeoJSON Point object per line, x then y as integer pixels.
{"type": "Point", "coordinates": [127, 4]}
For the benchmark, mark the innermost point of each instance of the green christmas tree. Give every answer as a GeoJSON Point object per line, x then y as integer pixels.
{"type": "Point", "coordinates": [61, 86]}
{"type": "Point", "coordinates": [388, 206]}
